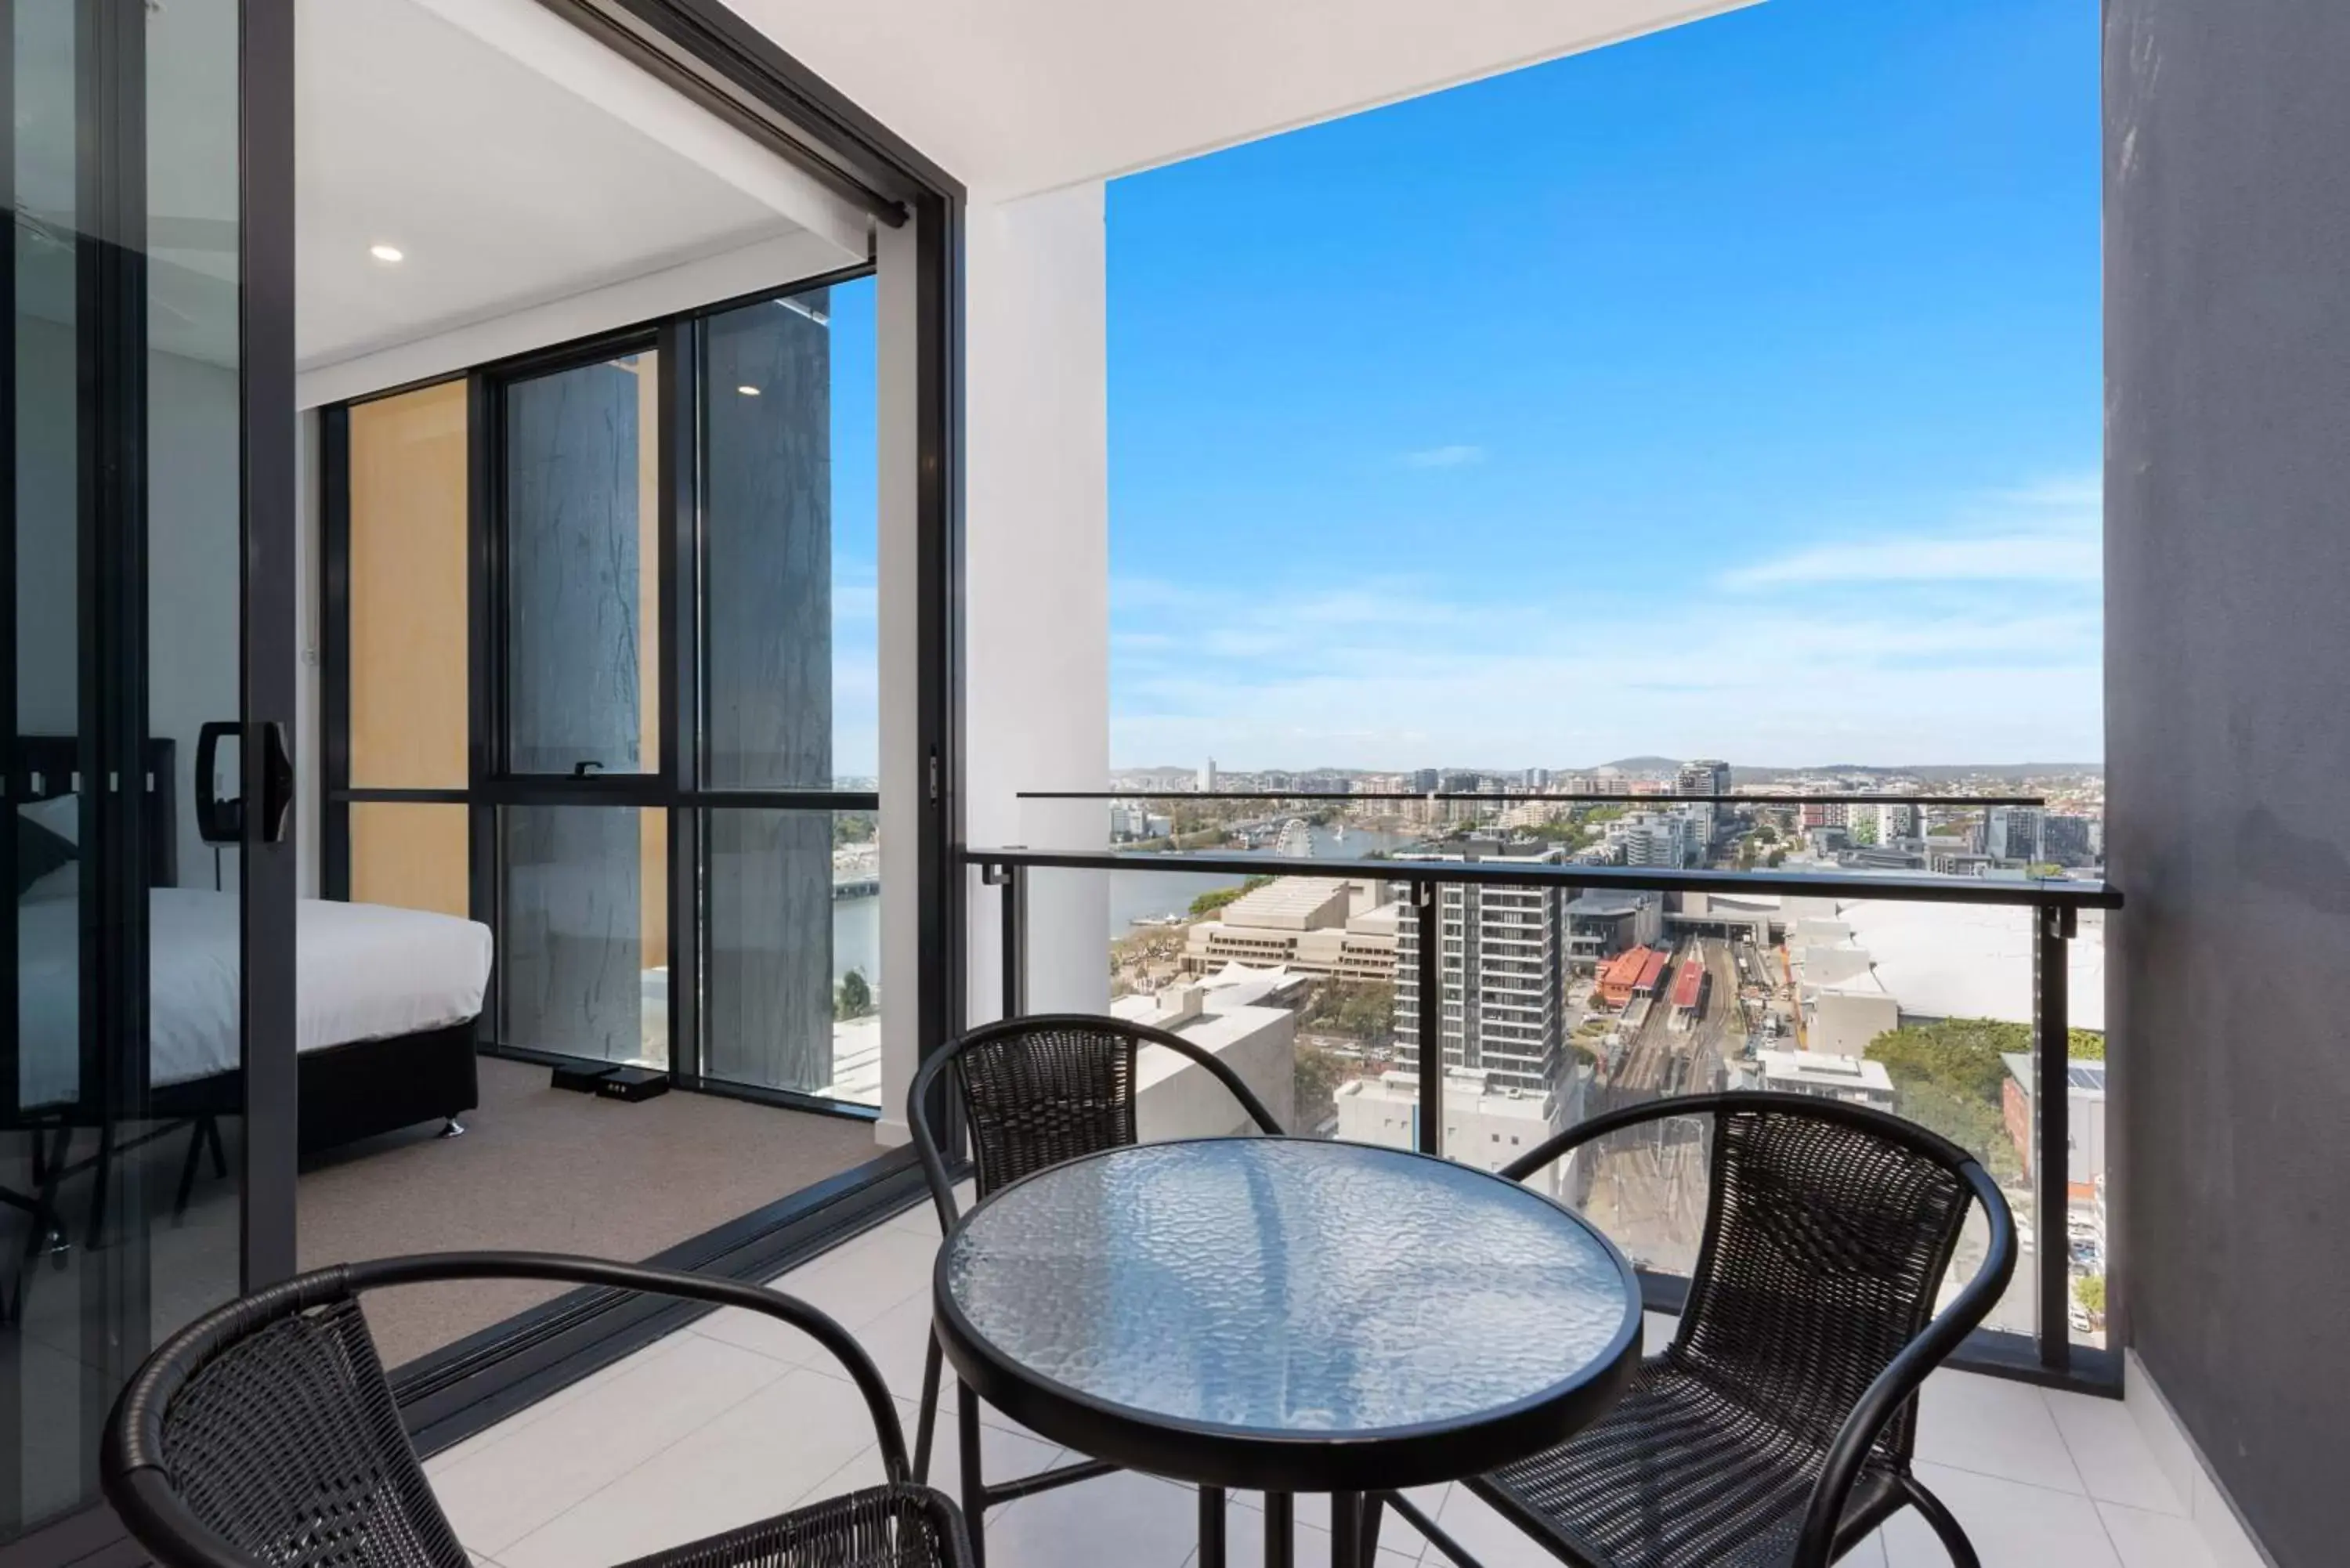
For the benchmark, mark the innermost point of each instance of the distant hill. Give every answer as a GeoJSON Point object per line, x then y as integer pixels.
{"type": "Point", "coordinates": [1641, 765]}
{"type": "Point", "coordinates": [1924, 773]}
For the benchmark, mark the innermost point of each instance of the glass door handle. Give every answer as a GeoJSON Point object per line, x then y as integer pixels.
{"type": "Point", "coordinates": [276, 783]}
{"type": "Point", "coordinates": [221, 821]}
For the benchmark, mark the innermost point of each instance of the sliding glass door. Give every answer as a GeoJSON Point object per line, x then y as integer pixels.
{"type": "Point", "coordinates": [149, 578]}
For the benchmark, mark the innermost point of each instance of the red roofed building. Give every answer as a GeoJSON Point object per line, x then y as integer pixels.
{"type": "Point", "coordinates": [1619, 977]}
{"type": "Point", "coordinates": [1688, 987]}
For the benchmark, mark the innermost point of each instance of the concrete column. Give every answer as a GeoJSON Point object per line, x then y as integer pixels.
{"type": "Point", "coordinates": [1036, 578]}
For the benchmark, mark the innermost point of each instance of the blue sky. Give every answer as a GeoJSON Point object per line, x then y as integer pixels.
{"type": "Point", "coordinates": [1733, 391]}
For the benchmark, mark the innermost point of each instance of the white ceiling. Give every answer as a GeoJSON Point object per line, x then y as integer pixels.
{"type": "Point", "coordinates": [508, 185]}
{"type": "Point", "coordinates": [1013, 96]}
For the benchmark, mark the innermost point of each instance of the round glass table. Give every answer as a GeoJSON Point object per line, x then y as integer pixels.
{"type": "Point", "coordinates": [1286, 1316]}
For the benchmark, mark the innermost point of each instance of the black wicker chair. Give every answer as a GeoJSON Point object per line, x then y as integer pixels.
{"type": "Point", "coordinates": [1776, 1429]}
{"type": "Point", "coordinates": [264, 1434]}
{"type": "Point", "coordinates": [1035, 1091]}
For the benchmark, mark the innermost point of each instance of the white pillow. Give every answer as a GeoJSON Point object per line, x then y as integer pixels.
{"type": "Point", "coordinates": [61, 815]}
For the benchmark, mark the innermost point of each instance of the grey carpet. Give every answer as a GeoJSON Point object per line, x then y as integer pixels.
{"type": "Point", "coordinates": [545, 1169]}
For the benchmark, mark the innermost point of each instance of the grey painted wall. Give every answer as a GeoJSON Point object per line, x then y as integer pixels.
{"type": "Point", "coordinates": [2228, 643]}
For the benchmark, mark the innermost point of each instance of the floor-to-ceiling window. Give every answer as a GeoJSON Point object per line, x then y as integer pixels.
{"type": "Point", "coordinates": [604, 628]}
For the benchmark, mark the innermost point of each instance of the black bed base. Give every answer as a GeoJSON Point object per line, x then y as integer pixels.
{"type": "Point", "coordinates": [374, 1086]}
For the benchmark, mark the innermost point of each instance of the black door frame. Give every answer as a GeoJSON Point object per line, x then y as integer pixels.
{"type": "Point", "coordinates": [703, 48]}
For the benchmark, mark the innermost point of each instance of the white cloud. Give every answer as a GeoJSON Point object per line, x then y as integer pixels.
{"type": "Point", "coordinates": [1444, 457]}
{"type": "Point", "coordinates": [2050, 532]}
{"type": "Point", "coordinates": [1392, 671]}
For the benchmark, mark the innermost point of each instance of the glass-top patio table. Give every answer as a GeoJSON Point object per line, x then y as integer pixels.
{"type": "Point", "coordinates": [1286, 1316]}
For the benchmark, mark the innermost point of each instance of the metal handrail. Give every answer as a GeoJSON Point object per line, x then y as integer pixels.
{"type": "Point", "coordinates": [2055, 907]}
{"type": "Point", "coordinates": [1562, 797]}
{"type": "Point", "coordinates": [2028, 893]}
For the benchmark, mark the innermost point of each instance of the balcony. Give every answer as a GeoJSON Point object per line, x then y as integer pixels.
{"type": "Point", "coordinates": [729, 1420]}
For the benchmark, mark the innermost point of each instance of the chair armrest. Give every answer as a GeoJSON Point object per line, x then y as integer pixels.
{"type": "Point", "coordinates": [561, 1268]}
{"type": "Point", "coordinates": [1583, 1132]}
{"type": "Point", "coordinates": [1903, 1375]}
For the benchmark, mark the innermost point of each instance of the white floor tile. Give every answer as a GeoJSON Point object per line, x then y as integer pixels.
{"type": "Point", "coordinates": [1006, 1456]}
{"type": "Point", "coordinates": [1394, 1534]}
{"type": "Point", "coordinates": [2116, 1463]}
{"type": "Point", "coordinates": [859, 1280]}
{"type": "Point", "coordinates": [1993, 1426]}
{"type": "Point", "coordinates": [2012, 1525]}
{"type": "Point", "coordinates": [499, 1493]}
{"type": "Point", "coordinates": [1486, 1535]}
{"type": "Point", "coordinates": [2149, 1540]}
{"type": "Point", "coordinates": [752, 1461]}
{"type": "Point", "coordinates": [457, 1453]}
{"type": "Point", "coordinates": [1244, 1539]}
{"type": "Point", "coordinates": [1127, 1520]}
{"type": "Point", "coordinates": [1869, 1554]}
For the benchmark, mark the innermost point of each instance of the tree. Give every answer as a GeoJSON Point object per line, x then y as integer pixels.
{"type": "Point", "coordinates": [1776, 858]}
{"type": "Point", "coordinates": [1765, 834]}
{"type": "Point", "coordinates": [1319, 1072]}
{"type": "Point", "coordinates": [1361, 1010]}
{"type": "Point", "coordinates": [2089, 1290]}
{"type": "Point", "coordinates": [855, 997]}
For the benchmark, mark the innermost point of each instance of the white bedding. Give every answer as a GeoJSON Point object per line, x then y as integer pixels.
{"type": "Point", "coordinates": [363, 971]}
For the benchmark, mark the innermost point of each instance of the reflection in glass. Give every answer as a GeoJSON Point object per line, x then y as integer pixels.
{"type": "Point", "coordinates": [582, 590]}
{"type": "Point", "coordinates": [792, 952]}
{"type": "Point", "coordinates": [119, 1211]}
{"type": "Point", "coordinates": [789, 529]}
{"type": "Point", "coordinates": [584, 970]}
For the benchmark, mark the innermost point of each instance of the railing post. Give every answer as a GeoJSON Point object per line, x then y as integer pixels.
{"type": "Point", "coordinates": [1428, 911]}
{"type": "Point", "coordinates": [1015, 941]}
{"type": "Point", "coordinates": [2051, 1147]}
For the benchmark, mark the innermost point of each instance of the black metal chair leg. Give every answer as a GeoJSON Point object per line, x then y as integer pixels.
{"type": "Point", "coordinates": [219, 1152]}
{"type": "Point", "coordinates": [1346, 1530]}
{"type": "Point", "coordinates": [1280, 1534]}
{"type": "Point", "coordinates": [1953, 1538]}
{"type": "Point", "coordinates": [1372, 1506]}
{"type": "Point", "coordinates": [975, 1483]}
{"type": "Point", "coordinates": [1212, 1527]}
{"type": "Point", "coordinates": [927, 1423]}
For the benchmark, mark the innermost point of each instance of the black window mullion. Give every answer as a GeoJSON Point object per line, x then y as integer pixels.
{"type": "Point", "coordinates": [335, 652]}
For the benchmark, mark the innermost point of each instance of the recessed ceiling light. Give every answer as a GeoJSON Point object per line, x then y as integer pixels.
{"type": "Point", "coordinates": [387, 252]}
{"type": "Point", "coordinates": [748, 391]}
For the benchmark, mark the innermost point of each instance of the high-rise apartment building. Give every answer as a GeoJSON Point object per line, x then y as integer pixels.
{"type": "Point", "coordinates": [2068, 839]}
{"type": "Point", "coordinates": [1503, 966]}
{"type": "Point", "coordinates": [1208, 777]}
{"type": "Point", "coordinates": [1704, 776]}
{"type": "Point", "coordinates": [2012, 833]}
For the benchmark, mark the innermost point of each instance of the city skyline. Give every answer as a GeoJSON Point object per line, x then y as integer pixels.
{"type": "Point", "coordinates": [1731, 392]}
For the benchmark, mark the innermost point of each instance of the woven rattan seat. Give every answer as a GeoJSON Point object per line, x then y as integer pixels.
{"type": "Point", "coordinates": [1776, 1429]}
{"type": "Point", "coordinates": [267, 1433]}
{"type": "Point", "coordinates": [1035, 1092]}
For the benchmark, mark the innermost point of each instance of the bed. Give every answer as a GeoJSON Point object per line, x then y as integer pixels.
{"type": "Point", "coordinates": [386, 998]}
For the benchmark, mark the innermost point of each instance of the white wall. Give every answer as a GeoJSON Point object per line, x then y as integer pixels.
{"type": "Point", "coordinates": [1036, 577]}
